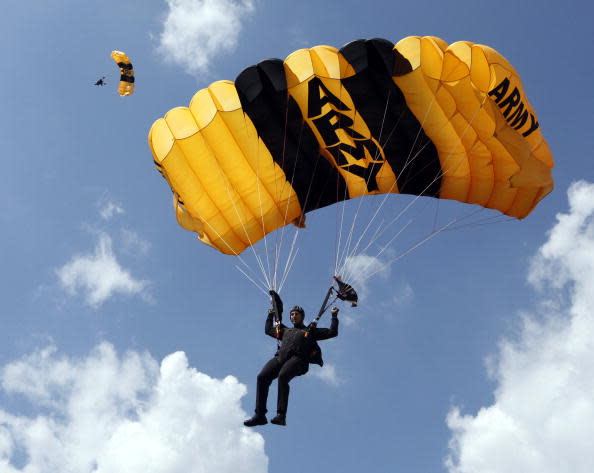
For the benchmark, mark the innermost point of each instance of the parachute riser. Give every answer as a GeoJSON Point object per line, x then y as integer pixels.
{"type": "Point", "coordinates": [277, 319]}
{"type": "Point", "coordinates": [276, 314]}
{"type": "Point", "coordinates": [323, 309]}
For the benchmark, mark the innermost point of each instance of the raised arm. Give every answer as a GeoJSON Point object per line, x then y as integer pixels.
{"type": "Point", "coordinates": [277, 307]}
{"type": "Point", "coordinates": [332, 331]}
{"type": "Point", "coordinates": [270, 329]}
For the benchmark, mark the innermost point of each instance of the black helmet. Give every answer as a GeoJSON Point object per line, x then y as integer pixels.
{"type": "Point", "coordinates": [298, 309]}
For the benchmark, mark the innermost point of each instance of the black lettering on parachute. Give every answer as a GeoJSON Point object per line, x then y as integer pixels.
{"type": "Point", "coordinates": [316, 100]}
{"type": "Point", "coordinates": [519, 117]}
{"type": "Point", "coordinates": [367, 154]}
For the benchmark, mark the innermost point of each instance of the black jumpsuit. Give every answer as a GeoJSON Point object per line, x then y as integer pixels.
{"type": "Point", "coordinates": [292, 359]}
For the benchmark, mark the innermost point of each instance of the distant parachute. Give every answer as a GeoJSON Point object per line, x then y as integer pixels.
{"type": "Point", "coordinates": [419, 117]}
{"type": "Point", "coordinates": [126, 86]}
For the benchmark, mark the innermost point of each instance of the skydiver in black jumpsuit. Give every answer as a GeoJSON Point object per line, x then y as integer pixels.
{"type": "Point", "coordinates": [296, 352]}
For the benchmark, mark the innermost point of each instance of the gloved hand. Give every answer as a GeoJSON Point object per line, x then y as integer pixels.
{"type": "Point", "coordinates": [271, 317]}
{"type": "Point", "coordinates": [279, 303]}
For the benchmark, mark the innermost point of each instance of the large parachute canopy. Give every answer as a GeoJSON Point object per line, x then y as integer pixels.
{"type": "Point", "coordinates": [417, 117]}
{"type": "Point", "coordinates": [122, 60]}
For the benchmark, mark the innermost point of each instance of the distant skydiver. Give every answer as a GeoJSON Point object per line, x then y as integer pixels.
{"type": "Point", "coordinates": [297, 349]}
{"type": "Point", "coordinates": [101, 82]}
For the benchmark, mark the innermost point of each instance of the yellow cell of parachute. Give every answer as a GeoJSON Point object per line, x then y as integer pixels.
{"type": "Point", "coordinates": [287, 137]}
{"type": "Point", "coordinates": [126, 86]}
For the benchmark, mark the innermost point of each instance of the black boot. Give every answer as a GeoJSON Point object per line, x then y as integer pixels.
{"type": "Point", "coordinates": [258, 419]}
{"type": "Point", "coordinates": [280, 419]}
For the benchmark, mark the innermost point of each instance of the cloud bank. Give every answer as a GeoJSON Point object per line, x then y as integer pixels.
{"type": "Point", "coordinates": [542, 418]}
{"type": "Point", "coordinates": [195, 31]}
{"type": "Point", "coordinates": [110, 414]}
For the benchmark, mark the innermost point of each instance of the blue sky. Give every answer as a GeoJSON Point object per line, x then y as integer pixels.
{"type": "Point", "coordinates": [128, 346]}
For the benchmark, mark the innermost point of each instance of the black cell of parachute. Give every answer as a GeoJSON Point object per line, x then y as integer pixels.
{"type": "Point", "coordinates": [262, 90]}
{"type": "Point", "coordinates": [382, 105]}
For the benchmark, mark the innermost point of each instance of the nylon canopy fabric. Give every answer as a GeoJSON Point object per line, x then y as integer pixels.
{"type": "Point", "coordinates": [418, 117]}
{"type": "Point", "coordinates": [126, 86]}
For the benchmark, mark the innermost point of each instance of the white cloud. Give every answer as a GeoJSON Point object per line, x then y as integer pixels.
{"type": "Point", "coordinates": [347, 319]}
{"type": "Point", "coordinates": [133, 243]}
{"type": "Point", "coordinates": [403, 295]}
{"type": "Point", "coordinates": [106, 414]}
{"type": "Point", "coordinates": [362, 265]}
{"type": "Point", "coordinates": [109, 209]}
{"type": "Point", "coordinates": [99, 275]}
{"type": "Point", "coordinates": [327, 373]}
{"type": "Point", "coordinates": [357, 269]}
{"type": "Point", "coordinates": [542, 419]}
{"type": "Point", "coordinates": [195, 31]}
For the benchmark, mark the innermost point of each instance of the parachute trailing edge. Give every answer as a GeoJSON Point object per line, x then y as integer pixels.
{"type": "Point", "coordinates": [287, 137]}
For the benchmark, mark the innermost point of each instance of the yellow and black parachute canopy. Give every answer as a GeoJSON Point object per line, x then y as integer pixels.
{"type": "Point", "coordinates": [126, 86]}
{"type": "Point", "coordinates": [417, 117]}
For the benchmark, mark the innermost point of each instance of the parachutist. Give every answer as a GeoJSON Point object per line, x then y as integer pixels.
{"type": "Point", "coordinates": [298, 348]}
{"type": "Point", "coordinates": [101, 82]}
